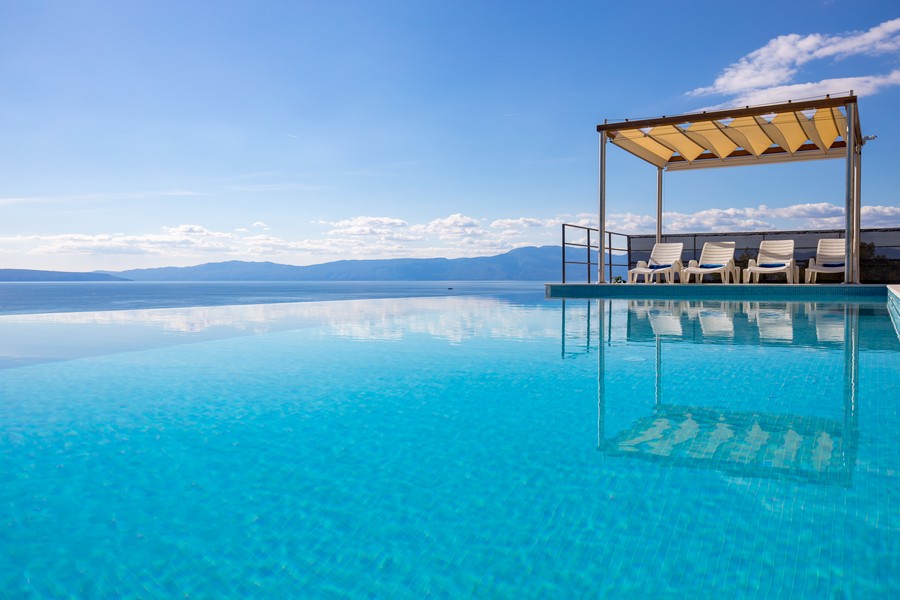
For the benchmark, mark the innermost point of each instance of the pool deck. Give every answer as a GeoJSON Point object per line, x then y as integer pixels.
{"type": "Point", "coordinates": [718, 291]}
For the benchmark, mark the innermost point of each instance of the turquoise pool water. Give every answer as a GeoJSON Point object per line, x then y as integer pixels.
{"type": "Point", "coordinates": [458, 447]}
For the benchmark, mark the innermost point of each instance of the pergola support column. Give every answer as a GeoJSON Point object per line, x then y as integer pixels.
{"type": "Point", "coordinates": [659, 204]}
{"type": "Point", "coordinates": [851, 216]}
{"type": "Point", "coordinates": [601, 216]}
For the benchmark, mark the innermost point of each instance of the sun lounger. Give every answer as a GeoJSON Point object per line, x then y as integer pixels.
{"type": "Point", "coordinates": [716, 257]}
{"type": "Point", "coordinates": [775, 256]}
{"type": "Point", "coordinates": [829, 259]}
{"type": "Point", "coordinates": [665, 259]}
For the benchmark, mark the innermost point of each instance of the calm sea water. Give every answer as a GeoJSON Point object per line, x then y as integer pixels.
{"type": "Point", "coordinates": [121, 295]}
{"type": "Point", "coordinates": [462, 446]}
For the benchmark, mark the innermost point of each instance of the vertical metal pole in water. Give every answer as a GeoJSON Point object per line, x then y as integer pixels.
{"type": "Point", "coordinates": [852, 247]}
{"type": "Point", "coordinates": [601, 359]}
{"type": "Point", "coordinates": [601, 276]}
{"type": "Point", "coordinates": [659, 211]}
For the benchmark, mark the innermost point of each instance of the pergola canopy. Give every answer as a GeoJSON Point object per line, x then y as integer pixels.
{"type": "Point", "coordinates": [784, 132]}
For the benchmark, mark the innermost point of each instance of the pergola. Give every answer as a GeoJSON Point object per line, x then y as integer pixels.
{"type": "Point", "coordinates": [771, 133]}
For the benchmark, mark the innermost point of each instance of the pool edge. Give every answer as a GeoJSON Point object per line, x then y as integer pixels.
{"type": "Point", "coordinates": [718, 291]}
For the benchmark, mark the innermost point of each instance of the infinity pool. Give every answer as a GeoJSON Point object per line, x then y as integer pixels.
{"type": "Point", "coordinates": [457, 447]}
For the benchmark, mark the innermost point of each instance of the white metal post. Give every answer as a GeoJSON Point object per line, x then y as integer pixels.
{"type": "Point", "coordinates": [852, 246]}
{"type": "Point", "coordinates": [659, 204]}
{"type": "Point", "coordinates": [601, 222]}
{"type": "Point", "coordinates": [857, 209]}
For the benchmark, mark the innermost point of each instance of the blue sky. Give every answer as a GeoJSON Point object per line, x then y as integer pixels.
{"type": "Point", "coordinates": [141, 134]}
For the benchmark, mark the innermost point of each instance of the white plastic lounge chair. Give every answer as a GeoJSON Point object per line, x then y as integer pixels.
{"type": "Point", "coordinates": [775, 256]}
{"type": "Point", "coordinates": [716, 257]}
{"type": "Point", "coordinates": [829, 259]}
{"type": "Point", "coordinates": [665, 259]}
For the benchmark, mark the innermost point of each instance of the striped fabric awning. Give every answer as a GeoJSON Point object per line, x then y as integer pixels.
{"type": "Point", "coordinates": [772, 133]}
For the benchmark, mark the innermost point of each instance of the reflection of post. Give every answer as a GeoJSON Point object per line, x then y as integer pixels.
{"type": "Point", "coordinates": [562, 333]}
{"type": "Point", "coordinates": [658, 389]}
{"type": "Point", "coordinates": [601, 356]}
{"type": "Point", "coordinates": [587, 321]}
{"type": "Point", "coordinates": [851, 380]}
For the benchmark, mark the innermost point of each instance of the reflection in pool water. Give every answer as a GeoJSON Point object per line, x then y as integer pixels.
{"type": "Point", "coordinates": [688, 427]}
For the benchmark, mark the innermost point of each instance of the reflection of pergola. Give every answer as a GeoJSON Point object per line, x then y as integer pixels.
{"type": "Point", "coordinates": [772, 133]}
{"type": "Point", "coordinates": [782, 441]}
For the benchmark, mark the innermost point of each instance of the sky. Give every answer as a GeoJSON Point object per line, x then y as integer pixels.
{"type": "Point", "coordinates": [169, 133]}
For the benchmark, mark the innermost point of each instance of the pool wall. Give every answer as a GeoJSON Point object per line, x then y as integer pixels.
{"type": "Point", "coordinates": [893, 302]}
{"type": "Point", "coordinates": [718, 291]}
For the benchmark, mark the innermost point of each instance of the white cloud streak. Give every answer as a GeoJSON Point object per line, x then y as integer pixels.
{"type": "Point", "coordinates": [98, 197]}
{"type": "Point", "coordinates": [822, 215]}
{"type": "Point", "coordinates": [767, 74]}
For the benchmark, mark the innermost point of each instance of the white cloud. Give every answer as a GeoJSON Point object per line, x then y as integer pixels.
{"type": "Point", "coordinates": [822, 215]}
{"type": "Point", "coordinates": [766, 74]}
{"type": "Point", "coordinates": [455, 227]}
{"type": "Point", "coordinates": [521, 222]}
{"type": "Point", "coordinates": [173, 241]}
{"type": "Point", "coordinates": [861, 86]}
{"type": "Point", "coordinates": [382, 228]}
{"type": "Point", "coordinates": [260, 225]}
{"type": "Point", "coordinates": [369, 222]}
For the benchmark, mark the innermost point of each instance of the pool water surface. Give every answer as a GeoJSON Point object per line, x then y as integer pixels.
{"type": "Point", "coordinates": [459, 447]}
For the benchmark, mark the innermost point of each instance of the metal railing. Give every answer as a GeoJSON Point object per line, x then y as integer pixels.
{"type": "Point", "coordinates": [588, 240]}
{"type": "Point", "coordinates": [879, 249]}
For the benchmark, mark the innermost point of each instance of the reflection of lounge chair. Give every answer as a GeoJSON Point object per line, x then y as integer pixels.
{"type": "Point", "coordinates": [716, 322]}
{"type": "Point", "coordinates": [665, 259]}
{"type": "Point", "coordinates": [716, 257]}
{"type": "Point", "coordinates": [775, 256]}
{"type": "Point", "coordinates": [774, 322]}
{"type": "Point", "coordinates": [829, 322]}
{"type": "Point", "coordinates": [665, 318]}
{"type": "Point", "coordinates": [829, 259]}
{"type": "Point", "coordinates": [716, 318]}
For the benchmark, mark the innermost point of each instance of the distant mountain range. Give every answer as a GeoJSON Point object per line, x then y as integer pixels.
{"type": "Point", "coordinates": [523, 264]}
{"type": "Point", "coordinates": [32, 275]}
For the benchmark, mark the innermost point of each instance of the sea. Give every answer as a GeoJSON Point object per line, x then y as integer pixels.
{"type": "Point", "coordinates": [55, 297]}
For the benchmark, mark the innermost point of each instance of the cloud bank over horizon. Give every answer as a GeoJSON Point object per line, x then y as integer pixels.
{"type": "Point", "coordinates": [367, 237]}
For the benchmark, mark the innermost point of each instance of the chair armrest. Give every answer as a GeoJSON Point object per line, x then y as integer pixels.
{"type": "Point", "coordinates": [641, 264]}
{"type": "Point", "coordinates": [812, 263]}
{"type": "Point", "coordinates": [692, 263]}
{"type": "Point", "coordinates": [751, 263]}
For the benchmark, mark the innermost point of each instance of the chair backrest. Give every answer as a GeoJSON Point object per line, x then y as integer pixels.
{"type": "Point", "coordinates": [775, 251]}
{"type": "Point", "coordinates": [717, 253]}
{"type": "Point", "coordinates": [830, 250]}
{"type": "Point", "coordinates": [666, 254]}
